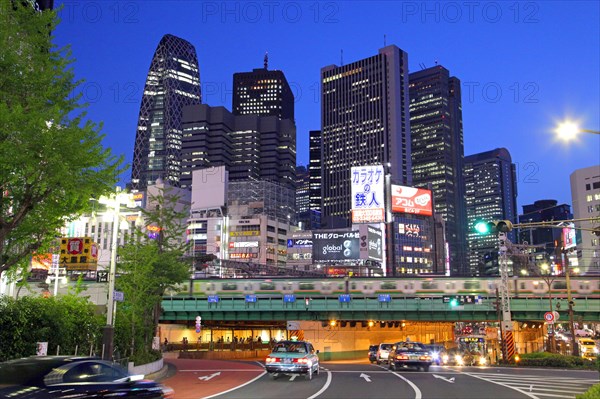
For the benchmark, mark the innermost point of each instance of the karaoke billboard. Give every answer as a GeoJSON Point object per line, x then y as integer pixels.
{"type": "Point", "coordinates": [368, 201]}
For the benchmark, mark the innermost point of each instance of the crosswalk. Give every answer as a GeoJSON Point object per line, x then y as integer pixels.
{"type": "Point", "coordinates": [539, 387]}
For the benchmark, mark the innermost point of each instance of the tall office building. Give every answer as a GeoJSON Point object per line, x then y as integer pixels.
{"type": "Point", "coordinates": [585, 193]}
{"type": "Point", "coordinates": [262, 92]}
{"type": "Point", "coordinates": [251, 147]}
{"type": "Point", "coordinates": [438, 152]}
{"type": "Point", "coordinates": [314, 169]}
{"type": "Point", "coordinates": [491, 194]}
{"type": "Point", "coordinates": [543, 211]}
{"type": "Point", "coordinates": [173, 82]}
{"type": "Point", "coordinates": [364, 121]}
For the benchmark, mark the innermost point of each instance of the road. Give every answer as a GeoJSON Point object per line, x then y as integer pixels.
{"type": "Point", "coordinates": [197, 379]}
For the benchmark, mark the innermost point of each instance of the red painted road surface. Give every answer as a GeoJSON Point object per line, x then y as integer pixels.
{"type": "Point", "coordinates": [198, 378]}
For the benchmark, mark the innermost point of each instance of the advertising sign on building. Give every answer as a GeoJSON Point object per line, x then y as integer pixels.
{"type": "Point", "coordinates": [411, 200]}
{"type": "Point", "coordinates": [568, 236]}
{"type": "Point", "coordinates": [375, 243]}
{"type": "Point", "coordinates": [335, 246]}
{"type": "Point", "coordinates": [299, 243]}
{"type": "Point", "coordinates": [367, 188]}
{"type": "Point", "coordinates": [78, 253]}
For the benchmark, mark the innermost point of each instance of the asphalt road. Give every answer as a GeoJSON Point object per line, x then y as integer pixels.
{"type": "Point", "coordinates": [194, 379]}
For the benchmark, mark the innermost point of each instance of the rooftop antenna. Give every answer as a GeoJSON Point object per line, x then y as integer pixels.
{"type": "Point", "coordinates": [384, 40]}
{"type": "Point", "coordinates": [436, 62]}
{"type": "Point", "coordinates": [342, 57]}
{"type": "Point", "coordinates": [266, 60]}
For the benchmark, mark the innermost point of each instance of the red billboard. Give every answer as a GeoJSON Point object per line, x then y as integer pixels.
{"type": "Point", "coordinates": [413, 200]}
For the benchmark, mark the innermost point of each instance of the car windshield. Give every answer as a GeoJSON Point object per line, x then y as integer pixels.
{"type": "Point", "coordinates": [293, 347]}
{"type": "Point", "coordinates": [373, 348]}
{"type": "Point", "coordinates": [411, 346]}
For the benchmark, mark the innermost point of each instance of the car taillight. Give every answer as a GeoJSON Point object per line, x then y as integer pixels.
{"type": "Point", "coordinates": [302, 361]}
{"type": "Point", "coordinates": [425, 358]}
{"type": "Point", "coordinates": [402, 357]}
{"type": "Point", "coordinates": [272, 360]}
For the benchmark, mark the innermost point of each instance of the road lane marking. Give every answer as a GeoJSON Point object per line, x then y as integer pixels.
{"type": "Point", "coordinates": [221, 370]}
{"type": "Point", "coordinates": [210, 376]}
{"type": "Point", "coordinates": [418, 394]}
{"type": "Point", "coordinates": [324, 388]}
{"type": "Point", "coordinates": [234, 388]}
{"type": "Point", "coordinates": [504, 385]}
{"type": "Point", "coordinates": [450, 380]}
{"type": "Point", "coordinates": [365, 376]}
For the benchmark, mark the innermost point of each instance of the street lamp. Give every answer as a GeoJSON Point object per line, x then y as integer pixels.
{"type": "Point", "coordinates": [568, 130]}
{"type": "Point", "coordinates": [114, 202]}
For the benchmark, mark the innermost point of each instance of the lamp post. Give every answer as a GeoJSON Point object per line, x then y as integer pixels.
{"type": "Point", "coordinates": [575, 347]}
{"type": "Point", "coordinates": [567, 130]}
{"type": "Point", "coordinates": [114, 202]}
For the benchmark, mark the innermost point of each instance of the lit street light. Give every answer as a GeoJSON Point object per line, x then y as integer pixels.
{"type": "Point", "coordinates": [113, 202]}
{"type": "Point", "coordinates": [568, 130]}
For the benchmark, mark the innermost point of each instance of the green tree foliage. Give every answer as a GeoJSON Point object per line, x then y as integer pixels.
{"type": "Point", "coordinates": [67, 321]}
{"type": "Point", "coordinates": [147, 267]}
{"type": "Point", "coordinates": [51, 157]}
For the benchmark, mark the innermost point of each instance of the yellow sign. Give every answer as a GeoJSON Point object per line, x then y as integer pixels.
{"type": "Point", "coordinates": [244, 233]}
{"type": "Point", "coordinates": [78, 253]}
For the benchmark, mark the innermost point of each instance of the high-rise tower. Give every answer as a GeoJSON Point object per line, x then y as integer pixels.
{"type": "Point", "coordinates": [173, 82]}
{"type": "Point", "coordinates": [365, 121]}
{"type": "Point", "coordinates": [438, 153]}
{"type": "Point", "coordinates": [263, 93]}
{"type": "Point", "coordinates": [491, 194]}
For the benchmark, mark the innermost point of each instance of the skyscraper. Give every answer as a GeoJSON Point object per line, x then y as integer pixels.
{"type": "Point", "coordinates": [314, 169]}
{"type": "Point", "coordinates": [173, 82]}
{"type": "Point", "coordinates": [251, 147]}
{"type": "Point", "coordinates": [438, 152]}
{"type": "Point", "coordinates": [262, 92]}
{"type": "Point", "coordinates": [491, 194]}
{"type": "Point", "coordinates": [364, 121]}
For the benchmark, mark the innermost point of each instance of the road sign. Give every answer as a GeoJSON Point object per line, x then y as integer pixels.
{"type": "Point", "coordinates": [549, 317]}
{"type": "Point", "coordinates": [118, 296]}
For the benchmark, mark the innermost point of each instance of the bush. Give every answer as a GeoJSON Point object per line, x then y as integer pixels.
{"type": "Point", "coordinates": [546, 359]}
{"type": "Point", "coordinates": [592, 393]}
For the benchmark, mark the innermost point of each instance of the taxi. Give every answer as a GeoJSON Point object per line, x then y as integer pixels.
{"type": "Point", "coordinates": [293, 357]}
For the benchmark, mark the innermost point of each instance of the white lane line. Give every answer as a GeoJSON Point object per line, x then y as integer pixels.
{"type": "Point", "coordinates": [504, 385]}
{"type": "Point", "coordinates": [236, 370]}
{"type": "Point", "coordinates": [418, 394]}
{"type": "Point", "coordinates": [555, 396]}
{"type": "Point", "coordinates": [324, 388]}
{"type": "Point", "coordinates": [554, 388]}
{"type": "Point", "coordinates": [234, 388]}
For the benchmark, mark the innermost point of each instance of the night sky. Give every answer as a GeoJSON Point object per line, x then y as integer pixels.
{"type": "Point", "coordinates": [524, 66]}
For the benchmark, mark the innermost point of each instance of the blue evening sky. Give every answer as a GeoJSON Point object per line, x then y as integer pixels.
{"type": "Point", "coordinates": [524, 65]}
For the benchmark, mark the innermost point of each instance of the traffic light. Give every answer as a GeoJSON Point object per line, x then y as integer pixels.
{"type": "Point", "coordinates": [454, 302]}
{"type": "Point", "coordinates": [495, 226]}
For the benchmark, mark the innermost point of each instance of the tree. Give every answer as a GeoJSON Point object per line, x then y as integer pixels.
{"type": "Point", "coordinates": [149, 265]}
{"type": "Point", "coordinates": [51, 158]}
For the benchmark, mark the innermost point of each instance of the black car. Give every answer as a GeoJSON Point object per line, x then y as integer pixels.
{"type": "Point", "coordinates": [52, 377]}
{"type": "Point", "coordinates": [373, 353]}
{"type": "Point", "coordinates": [409, 354]}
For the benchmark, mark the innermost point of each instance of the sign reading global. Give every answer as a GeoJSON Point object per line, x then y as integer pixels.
{"type": "Point", "coordinates": [335, 246]}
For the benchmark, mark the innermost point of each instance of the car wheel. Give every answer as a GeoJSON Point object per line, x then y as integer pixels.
{"type": "Point", "coordinates": [392, 366]}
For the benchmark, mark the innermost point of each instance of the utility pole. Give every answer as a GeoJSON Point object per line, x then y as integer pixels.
{"type": "Point", "coordinates": [506, 327]}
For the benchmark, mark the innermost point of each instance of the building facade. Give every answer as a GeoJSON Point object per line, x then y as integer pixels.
{"type": "Point", "coordinates": [173, 82]}
{"type": "Point", "coordinates": [263, 93]}
{"type": "Point", "coordinates": [251, 147]}
{"type": "Point", "coordinates": [364, 121]}
{"type": "Point", "coordinates": [585, 194]}
{"type": "Point", "coordinates": [438, 152]}
{"type": "Point", "coordinates": [491, 194]}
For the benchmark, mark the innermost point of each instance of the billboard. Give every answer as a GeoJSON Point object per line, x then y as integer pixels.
{"type": "Point", "coordinates": [413, 200]}
{"type": "Point", "coordinates": [375, 243]}
{"type": "Point", "coordinates": [568, 236]}
{"type": "Point", "coordinates": [336, 246]}
{"type": "Point", "coordinates": [367, 187]}
{"type": "Point", "coordinates": [78, 253]}
{"type": "Point", "coordinates": [299, 243]}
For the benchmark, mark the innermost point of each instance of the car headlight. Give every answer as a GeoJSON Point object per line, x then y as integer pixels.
{"type": "Point", "coordinates": [596, 350]}
{"type": "Point", "coordinates": [445, 358]}
{"type": "Point", "coordinates": [482, 361]}
{"type": "Point", "coordinates": [459, 360]}
{"type": "Point", "coordinates": [435, 355]}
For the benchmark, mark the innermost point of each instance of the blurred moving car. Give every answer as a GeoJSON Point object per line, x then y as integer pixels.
{"type": "Point", "coordinates": [383, 353]}
{"type": "Point", "coordinates": [457, 357]}
{"type": "Point", "coordinates": [437, 353]}
{"type": "Point", "coordinates": [409, 354]}
{"type": "Point", "coordinates": [588, 348]}
{"type": "Point", "coordinates": [51, 377]}
{"type": "Point", "coordinates": [372, 354]}
{"type": "Point", "coordinates": [293, 357]}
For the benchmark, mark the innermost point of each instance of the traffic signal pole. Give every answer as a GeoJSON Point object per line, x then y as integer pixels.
{"type": "Point", "coordinates": [506, 327]}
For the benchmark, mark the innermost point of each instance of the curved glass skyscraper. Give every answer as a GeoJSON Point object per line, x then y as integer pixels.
{"type": "Point", "coordinates": [173, 82]}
